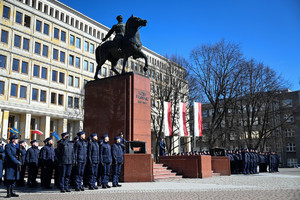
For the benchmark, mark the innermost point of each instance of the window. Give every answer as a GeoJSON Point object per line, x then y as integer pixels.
{"type": "Point", "coordinates": [4, 36]}
{"type": "Point", "coordinates": [43, 96]}
{"type": "Point", "coordinates": [91, 67]}
{"type": "Point", "coordinates": [44, 73]}
{"type": "Point", "coordinates": [63, 36]}
{"type": "Point", "coordinates": [19, 17]}
{"type": "Point", "coordinates": [15, 66]}
{"type": "Point", "coordinates": [76, 102]}
{"type": "Point", "coordinates": [38, 26]}
{"type": "Point", "coordinates": [86, 46]}
{"type": "Point", "coordinates": [26, 44]}
{"type": "Point", "coordinates": [2, 61]}
{"type": "Point", "coordinates": [60, 99]}
{"type": "Point", "coordinates": [71, 60]}
{"type": "Point", "coordinates": [76, 84]}
{"type": "Point", "coordinates": [54, 75]}
{"type": "Point", "coordinates": [289, 132]}
{"type": "Point", "coordinates": [61, 77]}
{"type": "Point", "coordinates": [13, 90]}
{"type": "Point", "coordinates": [6, 12]}
{"type": "Point", "coordinates": [85, 82]}
{"type": "Point", "coordinates": [289, 118]}
{"type": "Point", "coordinates": [45, 50]}
{"type": "Point", "coordinates": [287, 103]}
{"type": "Point", "coordinates": [77, 62]}
{"type": "Point", "coordinates": [46, 29]}
{"type": "Point", "coordinates": [104, 71]}
{"type": "Point", "coordinates": [291, 162]}
{"type": "Point", "coordinates": [37, 48]}
{"type": "Point", "coordinates": [27, 20]}
{"type": "Point", "coordinates": [1, 87]}
{"type": "Point", "coordinates": [55, 54]}
{"type": "Point", "coordinates": [85, 65]}
{"type": "Point", "coordinates": [72, 40]}
{"type": "Point", "coordinates": [36, 71]}
{"type": "Point", "coordinates": [17, 41]}
{"type": "Point", "coordinates": [53, 98]}
{"type": "Point", "coordinates": [56, 33]}
{"type": "Point", "coordinates": [24, 67]}
{"type": "Point", "coordinates": [291, 147]}
{"type": "Point", "coordinates": [23, 92]}
{"type": "Point", "coordinates": [91, 48]}
{"type": "Point", "coordinates": [78, 41]}
{"type": "Point", "coordinates": [70, 80]}
{"type": "Point", "coordinates": [62, 56]}
{"type": "Point", "coordinates": [70, 102]}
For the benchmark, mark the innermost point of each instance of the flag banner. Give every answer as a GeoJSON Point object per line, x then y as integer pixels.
{"type": "Point", "coordinates": [198, 126]}
{"type": "Point", "coordinates": [167, 119]}
{"type": "Point", "coordinates": [54, 134]}
{"type": "Point", "coordinates": [14, 130]}
{"type": "Point", "coordinates": [182, 120]}
{"type": "Point", "coordinates": [37, 132]}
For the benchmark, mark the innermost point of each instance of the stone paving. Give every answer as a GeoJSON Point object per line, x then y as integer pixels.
{"type": "Point", "coordinates": [283, 185]}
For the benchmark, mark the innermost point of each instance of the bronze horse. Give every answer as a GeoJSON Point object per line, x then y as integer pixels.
{"type": "Point", "coordinates": [130, 46]}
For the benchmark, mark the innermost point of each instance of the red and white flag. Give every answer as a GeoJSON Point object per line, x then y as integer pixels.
{"type": "Point", "coordinates": [167, 119]}
{"type": "Point", "coordinates": [182, 120]}
{"type": "Point", "coordinates": [198, 126]}
{"type": "Point", "coordinates": [37, 132]}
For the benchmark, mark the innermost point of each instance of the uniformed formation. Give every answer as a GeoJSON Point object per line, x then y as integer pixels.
{"type": "Point", "coordinates": [77, 164]}
{"type": "Point", "coordinates": [247, 161]}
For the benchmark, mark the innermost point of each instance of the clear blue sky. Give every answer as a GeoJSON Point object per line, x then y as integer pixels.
{"type": "Point", "coordinates": [267, 30]}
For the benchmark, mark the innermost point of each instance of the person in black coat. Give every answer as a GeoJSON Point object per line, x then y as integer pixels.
{"type": "Point", "coordinates": [123, 142]}
{"type": "Point", "coordinates": [65, 161]}
{"type": "Point", "coordinates": [246, 161]}
{"type": "Point", "coordinates": [2, 156]}
{"type": "Point", "coordinates": [22, 150]}
{"type": "Point", "coordinates": [12, 166]}
{"type": "Point", "coordinates": [117, 158]}
{"type": "Point", "coordinates": [73, 173]}
{"type": "Point", "coordinates": [162, 147]}
{"type": "Point", "coordinates": [93, 161]}
{"type": "Point", "coordinates": [80, 155]}
{"type": "Point", "coordinates": [47, 157]}
{"type": "Point", "coordinates": [100, 168]}
{"type": "Point", "coordinates": [105, 160]}
{"type": "Point", "coordinates": [32, 160]}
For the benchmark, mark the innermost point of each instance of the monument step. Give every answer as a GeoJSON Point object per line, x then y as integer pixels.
{"type": "Point", "coordinates": [168, 178]}
{"type": "Point", "coordinates": [158, 165]}
{"type": "Point", "coordinates": [156, 174]}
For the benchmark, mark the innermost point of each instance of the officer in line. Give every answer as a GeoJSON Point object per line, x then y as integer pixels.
{"type": "Point", "coordinates": [162, 147]}
{"type": "Point", "coordinates": [246, 161]}
{"type": "Point", "coordinates": [93, 160]}
{"type": "Point", "coordinates": [32, 160]}
{"type": "Point", "coordinates": [12, 166]}
{"type": "Point", "coordinates": [100, 167]}
{"type": "Point", "coordinates": [65, 161]}
{"type": "Point", "coordinates": [47, 157]}
{"type": "Point", "coordinates": [123, 142]}
{"type": "Point", "coordinates": [105, 160]}
{"type": "Point", "coordinates": [80, 154]}
{"type": "Point", "coordinates": [87, 169]}
{"type": "Point", "coordinates": [73, 173]}
{"type": "Point", "coordinates": [2, 155]}
{"type": "Point", "coordinates": [117, 158]}
{"type": "Point", "coordinates": [22, 151]}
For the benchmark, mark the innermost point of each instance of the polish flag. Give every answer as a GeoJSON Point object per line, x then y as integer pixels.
{"type": "Point", "coordinates": [198, 126]}
{"type": "Point", "coordinates": [167, 119]}
{"type": "Point", "coordinates": [182, 120]}
{"type": "Point", "coordinates": [37, 132]}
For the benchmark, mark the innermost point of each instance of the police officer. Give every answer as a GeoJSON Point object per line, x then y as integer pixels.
{"type": "Point", "coordinates": [246, 161]}
{"type": "Point", "coordinates": [32, 160]}
{"type": "Point", "coordinates": [93, 160]}
{"type": "Point", "coordinates": [47, 156]}
{"type": "Point", "coordinates": [22, 150]}
{"type": "Point", "coordinates": [117, 158]}
{"type": "Point", "coordinates": [2, 155]}
{"type": "Point", "coordinates": [73, 172]}
{"type": "Point", "coordinates": [162, 147]}
{"type": "Point", "coordinates": [65, 161]}
{"type": "Point", "coordinates": [100, 168]}
{"type": "Point", "coordinates": [105, 160]}
{"type": "Point", "coordinates": [123, 142]}
{"type": "Point", "coordinates": [11, 166]}
{"type": "Point", "coordinates": [80, 154]}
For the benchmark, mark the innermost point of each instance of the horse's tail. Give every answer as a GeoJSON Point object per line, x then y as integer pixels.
{"type": "Point", "coordinates": [98, 54]}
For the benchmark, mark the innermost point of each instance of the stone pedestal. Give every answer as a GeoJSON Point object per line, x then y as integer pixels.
{"type": "Point", "coordinates": [221, 164]}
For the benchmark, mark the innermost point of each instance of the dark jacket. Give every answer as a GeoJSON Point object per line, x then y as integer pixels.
{"type": "Point", "coordinates": [47, 155]}
{"type": "Point", "coordinates": [12, 163]}
{"type": "Point", "coordinates": [105, 153]}
{"type": "Point", "coordinates": [23, 155]}
{"type": "Point", "coordinates": [80, 151]}
{"type": "Point", "coordinates": [65, 152]}
{"type": "Point", "coordinates": [117, 153]}
{"type": "Point", "coordinates": [32, 155]}
{"type": "Point", "coordinates": [246, 157]}
{"type": "Point", "coordinates": [93, 152]}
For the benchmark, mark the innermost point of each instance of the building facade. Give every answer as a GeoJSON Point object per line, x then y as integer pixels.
{"type": "Point", "coordinates": [46, 58]}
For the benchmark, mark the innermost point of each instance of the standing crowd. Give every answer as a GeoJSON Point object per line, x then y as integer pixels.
{"type": "Point", "coordinates": [83, 162]}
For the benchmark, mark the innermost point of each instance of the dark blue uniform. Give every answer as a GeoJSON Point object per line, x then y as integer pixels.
{"type": "Point", "coordinates": [100, 168]}
{"type": "Point", "coordinates": [80, 156]}
{"type": "Point", "coordinates": [47, 156]}
{"type": "Point", "coordinates": [246, 162]}
{"type": "Point", "coordinates": [2, 156]}
{"type": "Point", "coordinates": [32, 160]}
{"type": "Point", "coordinates": [65, 161]}
{"type": "Point", "coordinates": [93, 161]}
{"type": "Point", "coordinates": [23, 167]}
{"type": "Point", "coordinates": [105, 162]}
{"type": "Point", "coordinates": [123, 144]}
{"type": "Point", "coordinates": [117, 158]}
{"type": "Point", "coordinates": [162, 148]}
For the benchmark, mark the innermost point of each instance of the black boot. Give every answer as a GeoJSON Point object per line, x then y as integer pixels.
{"type": "Point", "coordinates": [8, 192]}
{"type": "Point", "coordinates": [12, 192]}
